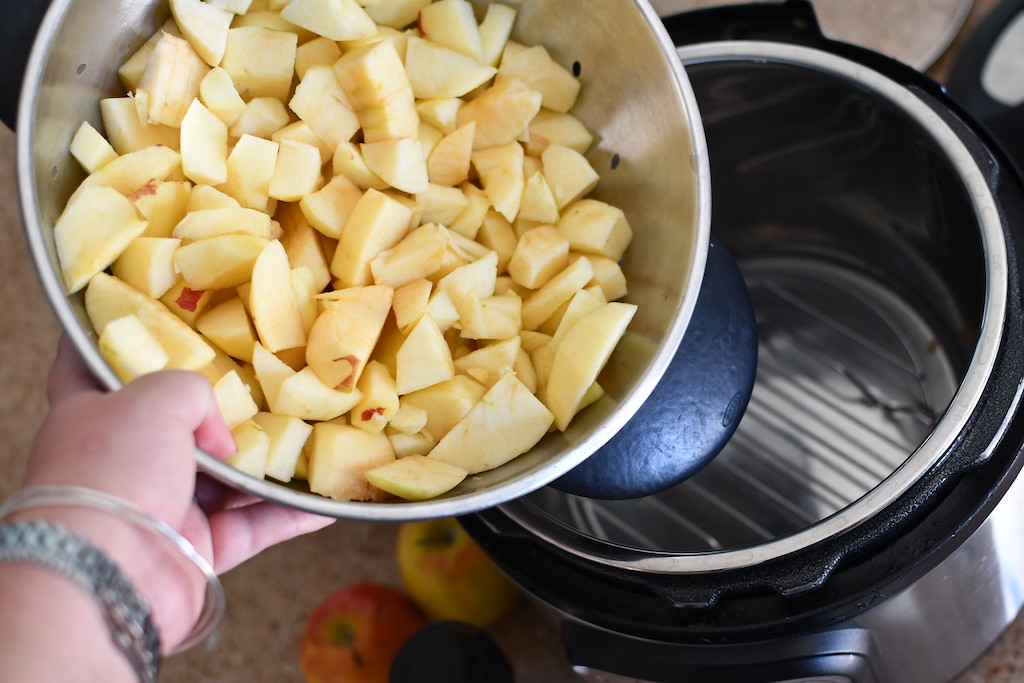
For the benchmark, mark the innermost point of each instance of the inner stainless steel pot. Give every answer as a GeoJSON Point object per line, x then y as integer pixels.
{"type": "Point", "coordinates": [650, 152]}
{"type": "Point", "coordinates": [873, 250]}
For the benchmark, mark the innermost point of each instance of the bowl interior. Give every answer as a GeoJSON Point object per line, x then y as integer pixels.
{"type": "Point", "coordinates": [648, 149]}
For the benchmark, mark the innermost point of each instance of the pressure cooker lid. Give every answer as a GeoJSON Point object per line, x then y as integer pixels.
{"type": "Point", "coordinates": [863, 216]}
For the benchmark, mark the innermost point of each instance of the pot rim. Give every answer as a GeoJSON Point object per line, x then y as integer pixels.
{"type": "Point", "coordinates": [390, 511]}
{"type": "Point", "coordinates": [934, 450]}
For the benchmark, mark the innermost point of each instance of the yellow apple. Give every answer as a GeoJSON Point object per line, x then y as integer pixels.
{"type": "Point", "coordinates": [320, 101]}
{"type": "Point", "coordinates": [261, 61]}
{"type": "Point", "coordinates": [595, 227]}
{"type": "Point", "coordinates": [449, 576]}
{"type": "Point", "coordinates": [217, 92]}
{"type": "Point", "coordinates": [90, 148]}
{"type": "Point", "coordinates": [147, 264]}
{"type": "Point", "coordinates": [205, 26]}
{"type": "Point", "coordinates": [288, 436]}
{"type": "Point", "coordinates": [172, 77]}
{"type": "Point", "coordinates": [377, 222]}
{"type": "Point", "coordinates": [424, 358]}
{"type": "Point", "coordinates": [333, 19]}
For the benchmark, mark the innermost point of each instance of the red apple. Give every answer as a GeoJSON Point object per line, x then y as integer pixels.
{"type": "Point", "coordinates": [449, 576]}
{"type": "Point", "coordinates": [354, 634]}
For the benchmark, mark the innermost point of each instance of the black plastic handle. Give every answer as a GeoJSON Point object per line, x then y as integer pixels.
{"type": "Point", "coordinates": [17, 33]}
{"type": "Point", "coordinates": [696, 406]}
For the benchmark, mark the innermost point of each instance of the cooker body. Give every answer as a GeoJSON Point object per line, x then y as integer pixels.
{"type": "Point", "coordinates": [861, 524]}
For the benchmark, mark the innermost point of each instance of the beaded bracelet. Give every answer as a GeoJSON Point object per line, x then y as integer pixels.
{"type": "Point", "coordinates": [70, 554]}
{"type": "Point", "coordinates": [77, 496]}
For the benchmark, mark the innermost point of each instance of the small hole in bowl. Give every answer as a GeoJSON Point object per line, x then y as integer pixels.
{"type": "Point", "coordinates": [577, 69]}
{"type": "Point", "coordinates": [616, 159]}
{"type": "Point", "coordinates": [81, 69]}
{"type": "Point", "coordinates": [53, 173]}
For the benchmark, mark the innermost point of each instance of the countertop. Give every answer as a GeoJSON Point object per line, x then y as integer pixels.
{"type": "Point", "coordinates": [270, 596]}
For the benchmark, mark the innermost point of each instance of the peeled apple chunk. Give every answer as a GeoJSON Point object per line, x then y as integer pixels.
{"type": "Point", "coordinates": [580, 356]}
{"type": "Point", "coordinates": [507, 421]}
{"type": "Point", "coordinates": [416, 477]}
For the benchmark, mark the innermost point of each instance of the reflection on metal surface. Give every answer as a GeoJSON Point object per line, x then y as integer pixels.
{"type": "Point", "coordinates": [850, 381]}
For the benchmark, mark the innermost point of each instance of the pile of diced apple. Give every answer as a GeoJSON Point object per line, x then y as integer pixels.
{"type": "Point", "coordinates": [367, 223]}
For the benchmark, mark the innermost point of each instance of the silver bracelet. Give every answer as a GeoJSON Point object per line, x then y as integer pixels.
{"type": "Point", "coordinates": [70, 554]}
{"type": "Point", "coordinates": [76, 496]}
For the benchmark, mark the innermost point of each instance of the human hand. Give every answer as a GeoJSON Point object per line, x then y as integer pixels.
{"type": "Point", "coordinates": [140, 444]}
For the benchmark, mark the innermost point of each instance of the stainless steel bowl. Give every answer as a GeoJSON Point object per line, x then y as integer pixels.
{"type": "Point", "coordinates": [650, 152]}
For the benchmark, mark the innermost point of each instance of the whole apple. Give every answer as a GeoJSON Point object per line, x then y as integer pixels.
{"type": "Point", "coordinates": [449, 576]}
{"type": "Point", "coordinates": [353, 635]}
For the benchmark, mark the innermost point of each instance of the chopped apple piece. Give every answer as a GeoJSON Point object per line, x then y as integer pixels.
{"type": "Point", "coordinates": [580, 356]}
{"type": "Point", "coordinates": [205, 26]}
{"type": "Point", "coordinates": [204, 197]}
{"type": "Point", "coordinates": [445, 403]}
{"type": "Point", "coordinates": [129, 130]}
{"type": "Point", "coordinates": [498, 235]}
{"type": "Point", "coordinates": [297, 173]}
{"type": "Point", "coordinates": [594, 227]}
{"type": "Point", "coordinates": [303, 245]}
{"type": "Point", "coordinates": [253, 445]}
{"type": "Point", "coordinates": [206, 223]}
{"type": "Point", "coordinates": [91, 149]}
{"type": "Point", "coordinates": [262, 117]}
{"type": "Point", "coordinates": [441, 204]}
{"type": "Point", "coordinates": [217, 92]}
{"type": "Point", "coordinates": [449, 162]}
{"type": "Point", "coordinates": [132, 171]}
{"type": "Point", "coordinates": [469, 221]}
{"type": "Point", "coordinates": [107, 298]}
{"type": "Point", "coordinates": [172, 79]}
{"type": "Point", "coordinates": [506, 422]}
{"type": "Point", "coordinates": [251, 165]}
{"type": "Point", "coordinates": [555, 292]}
{"type": "Point", "coordinates": [488, 364]}
{"type": "Point", "coordinates": [374, 80]}
{"type": "Point", "coordinates": [261, 61]}
{"type": "Point", "coordinates": [408, 419]}
{"type": "Point", "coordinates": [406, 445]}
{"type": "Point", "coordinates": [540, 254]}
{"type": "Point", "coordinates": [568, 173]}
{"type": "Point", "coordinates": [538, 202]}
{"type": "Point", "coordinates": [377, 222]}
{"type": "Point", "coordinates": [204, 146]}
{"type": "Point", "coordinates": [272, 301]}
{"type": "Point", "coordinates": [219, 262]}
{"type": "Point", "coordinates": [130, 348]}
{"type": "Point", "coordinates": [318, 52]}
{"type": "Point", "coordinates": [229, 326]}
{"type": "Point", "coordinates": [396, 14]}
{"type": "Point", "coordinates": [271, 372]}
{"type": "Point", "coordinates": [410, 303]}
{"type": "Point", "coordinates": [495, 30]}
{"type": "Point", "coordinates": [416, 477]}
{"type": "Point", "coordinates": [288, 436]}
{"type": "Point", "coordinates": [452, 23]}
{"type": "Point", "coordinates": [334, 19]}
{"type": "Point", "coordinates": [329, 208]}
{"type": "Point", "coordinates": [304, 396]}
{"type": "Point", "coordinates": [501, 174]}
{"type": "Point", "coordinates": [186, 303]}
{"type": "Point", "coordinates": [147, 264]}
{"type": "Point", "coordinates": [551, 127]}
{"type": "Point", "coordinates": [339, 457]}
{"type": "Point", "coordinates": [343, 337]}
{"type": "Point", "coordinates": [380, 399]}
{"type": "Point", "coordinates": [130, 72]}
{"type": "Point", "coordinates": [438, 72]}
{"type": "Point", "coordinates": [234, 400]}
{"type": "Point", "coordinates": [424, 358]}
{"type": "Point", "coordinates": [502, 112]}
{"type": "Point", "coordinates": [537, 70]}
{"type": "Point", "coordinates": [399, 162]}
{"type": "Point", "coordinates": [320, 101]}
{"type": "Point", "coordinates": [92, 232]}
{"type": "Point", "coordinates": [416, 257]}
{"type": "Point", "coordinates": [348, 161]}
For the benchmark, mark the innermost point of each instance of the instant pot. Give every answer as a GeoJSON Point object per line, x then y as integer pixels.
{"type": "Point", "coordinates": [864, 522]}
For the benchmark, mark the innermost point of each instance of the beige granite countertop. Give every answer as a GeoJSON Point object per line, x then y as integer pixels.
{"type": "Point", "coordinates": [269, 597]}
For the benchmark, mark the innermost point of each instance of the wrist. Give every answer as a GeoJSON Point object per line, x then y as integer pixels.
{"type": "Point", "coordinates": [165, 568]}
